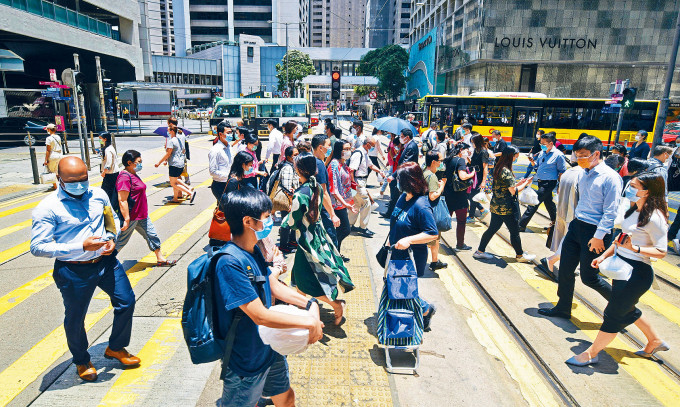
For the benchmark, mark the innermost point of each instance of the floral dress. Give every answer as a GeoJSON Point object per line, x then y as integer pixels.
{"type": "Point", "coordinates": [318, 269]}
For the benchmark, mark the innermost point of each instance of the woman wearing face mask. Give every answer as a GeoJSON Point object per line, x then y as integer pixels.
{"type": "Point", "coordinates": [479, 161]}
{"type": "Point", "coordinates": [240, 168]}
{"type": "Point", "coordinates": [288, 182]}
{"type": "Point", "coordinates": [455, 168]}
{"type": "Point", "coordinates": [505, 207]}
{"type": "Point", "coordinates": [434, 161]}
{"type": "Point", "coordinates": [174, 156]}
{"type": "Point", "coordinates": [645, 226]}
{"type": "Point", "coordinates": [640, 149]}
{"type": "Point", "coordinates": [251, 142]}
{"type": "Point", "coordinates": [288, 137]}
{"type": "Point", "coordinates": [318, 269]}
{"type": "Point", "coordinates": [109, 168]}
{"type": "Point", "coordinates": [134, 207]}
{"type": "Point", "coordinates": [340, 187]}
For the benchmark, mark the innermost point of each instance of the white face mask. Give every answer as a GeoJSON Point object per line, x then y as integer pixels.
{"type": "Point", "coordinates": [638, 138]}
{"type": "Point", "coordinates": [346, 155]}
{"type": "Point", "coordinates": [353, 131]}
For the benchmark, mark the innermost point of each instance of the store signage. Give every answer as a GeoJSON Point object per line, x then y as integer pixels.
{"type": "Point", "coordinates": [53, 75]}
{"type": "Point", "coordinates": [425, 43]}
{"type": "Point", "coordinates": [53, 84]}
{"type": "Point", "coordinates": [545, 42]}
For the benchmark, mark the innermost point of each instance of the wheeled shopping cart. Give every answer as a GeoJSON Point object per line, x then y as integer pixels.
{"type": "Point", "coordinates": [400, 315]}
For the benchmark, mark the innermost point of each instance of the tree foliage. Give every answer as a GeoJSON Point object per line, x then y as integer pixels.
{"type": "Point", "coordinates": [388, 64]}
{"type": "Point", "coordinates": [299, 66]}
{"type": "Point", "coordinates": [363, 90]}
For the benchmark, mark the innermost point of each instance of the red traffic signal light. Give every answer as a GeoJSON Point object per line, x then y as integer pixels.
{"type": "Point", "coordinates": [335, 75]}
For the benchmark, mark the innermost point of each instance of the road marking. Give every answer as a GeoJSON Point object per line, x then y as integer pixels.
{"type": "Point", "coordinates": [19, 295]}
{"type": "Point", "coordinates": [15, 251]}
{"type": "Point", "coordinates": [23, 199]}
{"type": "Point", "coordinates": [658, 304]}
{"type": "Point", "coordinates": [15, 228]}
{"type": "Point", "coordinates": [644, 371]}
{"type": "Point", "coordinates": [155, 355]}
{"type": "Point", "coordinates": [34, 204]}
{"type": "Point", "coordinates": [40, 357]}
{"type": "Point", "coordinates": [495, 338]}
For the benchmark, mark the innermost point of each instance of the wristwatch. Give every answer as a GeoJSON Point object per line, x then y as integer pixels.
{"type": "Point", "coordinates": [639, 248]}
{"type": "Point", "coordinates": [310, 302]}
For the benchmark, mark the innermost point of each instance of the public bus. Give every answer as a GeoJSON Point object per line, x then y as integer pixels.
{"type": "Point", "coordinates": [255, 111]}
{"type": "Point", "coordinates": [518, 116]}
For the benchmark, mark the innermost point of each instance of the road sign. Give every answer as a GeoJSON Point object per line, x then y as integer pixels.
{"type": "Point", "coordinates": [53, 84]}
{"type": "Point", "coordinates": [53, 75]}
{"type": "Point", "coordinates": [373, 94]}
{"type": "Point", "coordinates": [49, 94]}
{"type": "Point", "coordinates": [62, 98]}
{"type": "Point", "coordinates": [285, 94]}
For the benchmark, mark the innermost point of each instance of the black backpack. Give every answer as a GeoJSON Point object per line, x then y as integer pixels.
{"type": "Point", "coordinates": [275, 177]}
{"type": "Point", "coordinates": [674, 175]}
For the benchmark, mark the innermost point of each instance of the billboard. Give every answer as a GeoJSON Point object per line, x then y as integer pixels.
{"type": "Point", "coordinates": [421, 59]}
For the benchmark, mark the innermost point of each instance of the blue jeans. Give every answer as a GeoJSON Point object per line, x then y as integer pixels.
{"type": "Point", "coordinates": [77, 283]}
{"type": "Point", "coordinates": [241, 391]}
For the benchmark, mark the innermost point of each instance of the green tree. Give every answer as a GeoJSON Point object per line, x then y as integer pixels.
{"type": "Point", "coordinates": [299, 67]}
{"type": "Point", "coordinates": [388, 64]}
{"type": "Point", "coordinates": [363, 90]}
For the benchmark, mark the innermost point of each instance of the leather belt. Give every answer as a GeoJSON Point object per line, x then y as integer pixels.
{"type": "Point", "coordinates": [95, 260]}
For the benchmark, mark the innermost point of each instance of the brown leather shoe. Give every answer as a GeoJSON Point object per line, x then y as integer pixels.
{"type": "Point", "coordinates": [87, 372]}
{"type": "Point", "coordinates": [122, 355]}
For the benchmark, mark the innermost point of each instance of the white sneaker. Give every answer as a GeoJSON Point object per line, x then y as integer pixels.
{"type": "Point", "coordinates": [482, 255]}
{"type": "Point", "coordinates": [374, 206]}
{"type": "Point", "coordinates": [675, 243]}
{"type": "Point", "coordinates": [526, 258]}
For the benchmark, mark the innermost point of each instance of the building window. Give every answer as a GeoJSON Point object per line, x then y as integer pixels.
{"type": "Point", "coordinates": [251, 52]}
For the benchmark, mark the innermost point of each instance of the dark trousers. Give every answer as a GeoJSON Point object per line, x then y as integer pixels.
{"type": "Point", "coordinates": [375, 162]}
{"type": "Point", "coordinates": [545, 189]}
{"type": "Point", "coordinates": [512, 223]}
{"type": "Point", "coordinates": [284, 232]}
{"type": "Point", "coordinates": [217, 188]}
{"type": "Point", "coordinates": [575, 244]}
{"type": "Point", "coordinates": [77, 283]}
{"type": "Point", "coordinates": [474, 205]}
{"type": "Point", "coordinates": [394, 197]}
{"type": "Point", "coordinates": [675, 228]}
{"type": "Point", "coordinates": [275, 161]}
{"type": "Point", "coordinates": [461, 223]}
{"type": "Point", "coordinates": [344, 229]}
{"type": "Point", "coordinates": [621, 311]}
{"type": "Point", "coordinates": [109, 186]}
{"type": "Point", "coordinates": [328, 225]}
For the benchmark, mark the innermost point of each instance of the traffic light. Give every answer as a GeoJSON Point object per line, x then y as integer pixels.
{"type": "Point", "coordinates": [628, 98]}
{"type": "Point", "coordinates": [335, 85]}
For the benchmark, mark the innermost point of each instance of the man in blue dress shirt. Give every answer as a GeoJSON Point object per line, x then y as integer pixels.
{"type": "Point", "coordinates": [589, 234]}
{"type": "Point", "coordinates": [76, 226]}
{"type": "Point", "coordinates": [550, 164]}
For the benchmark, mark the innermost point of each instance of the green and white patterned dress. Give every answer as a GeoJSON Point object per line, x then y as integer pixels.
{"type": "Point", "coordinates": [318, 269]}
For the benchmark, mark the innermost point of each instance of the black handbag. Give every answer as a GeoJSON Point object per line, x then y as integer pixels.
{"type": "Point", "coordinates": [381, 256]}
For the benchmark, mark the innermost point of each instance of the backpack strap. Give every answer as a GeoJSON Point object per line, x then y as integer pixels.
{"type": "Point", "coordinates": [229, 340]}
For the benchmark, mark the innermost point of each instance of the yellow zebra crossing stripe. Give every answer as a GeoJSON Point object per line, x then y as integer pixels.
{"type": "Point", "coordinates": [25, 370]}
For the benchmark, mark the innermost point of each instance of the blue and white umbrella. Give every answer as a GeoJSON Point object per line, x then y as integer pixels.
{"type": "Point", "coordinates": [393, 125]}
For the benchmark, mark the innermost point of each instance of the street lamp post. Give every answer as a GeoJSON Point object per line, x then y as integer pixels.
{"type": "Point", "coordinates": [665, 101]}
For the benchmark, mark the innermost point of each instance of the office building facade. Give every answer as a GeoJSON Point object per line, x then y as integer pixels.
{"type": "Point", "coordinates": [335, 23]}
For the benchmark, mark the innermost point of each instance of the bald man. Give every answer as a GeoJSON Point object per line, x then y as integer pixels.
{"type": "Point", "coordinates": [70, 226]}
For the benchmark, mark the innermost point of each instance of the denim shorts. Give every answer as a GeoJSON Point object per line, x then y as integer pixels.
{"type": "Point", "coordinates": [278, 379]}
{"type": "Point", "coordinates": [240, 391]}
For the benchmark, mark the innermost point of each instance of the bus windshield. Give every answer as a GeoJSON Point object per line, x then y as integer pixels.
{"type": "Point", "coordinates": [294, 110]}
{"type": "Point", "coordinates": [228, 111]}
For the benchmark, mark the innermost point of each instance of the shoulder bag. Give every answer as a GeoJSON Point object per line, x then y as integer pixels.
{"type": "Point", "coordinates": [219, 228]}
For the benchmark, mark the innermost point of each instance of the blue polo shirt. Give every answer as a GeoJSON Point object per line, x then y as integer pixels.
{"type": "Point", "coordinates": [232, 288]}
{"type": "Point", "coordinates": [550, 165]}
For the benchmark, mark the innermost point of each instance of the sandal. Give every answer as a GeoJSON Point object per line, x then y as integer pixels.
{"type": "Point", "coordinates": [166, 263]}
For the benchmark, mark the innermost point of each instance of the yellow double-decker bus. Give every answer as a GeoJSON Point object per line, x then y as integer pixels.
{"type": "Point", "coordinates": [518, 116]}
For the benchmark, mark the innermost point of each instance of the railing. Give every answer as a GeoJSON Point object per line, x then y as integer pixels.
{"type": "Point", "coordinates": [63, 15]}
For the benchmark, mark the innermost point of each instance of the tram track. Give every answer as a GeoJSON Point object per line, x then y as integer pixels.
{"type": "Point", "coordinates": [548, 373]}
{"type": "Point", "coordinates": [672, 370]}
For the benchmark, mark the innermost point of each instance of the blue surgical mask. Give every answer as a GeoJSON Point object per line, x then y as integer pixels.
{"type": "Point", "coordinates": [631, 194]}
{"type": "Point", "coordinates": [371, 150]}
{"type": "Point", "coordinates": [76, 188]}
{"type": "Point", "coordinates": [138, 167]}
{"type": "Point", "coordinates": [441, 167]}
{"type": "Point", "coordinates": [249, 172]}
{"type": "Point", "coordinates": [328, 152]}
{"type": "Point", "coordinates": [268, 225]}
{"type": "Point", "coordinates": [544, 147]}
{"type": "Point", "coordinates": [230, 136]}
{"type": "Point", "coordinates": [515, 160]}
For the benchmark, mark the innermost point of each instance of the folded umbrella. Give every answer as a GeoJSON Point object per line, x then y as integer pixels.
{"type": "Point", "coordinates": [163, 131]}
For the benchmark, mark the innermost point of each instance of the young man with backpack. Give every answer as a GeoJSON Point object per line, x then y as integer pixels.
{"type": "Point", "coordinates": [429, 137]}
{"type": "Point", "coordinates": [243, 291]}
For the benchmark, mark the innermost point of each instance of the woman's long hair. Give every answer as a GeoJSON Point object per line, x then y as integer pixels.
{"type": "Point", "coordinates": [237, 166]}
{"type": "Point", "coordinates": [478, 141]}
{"type": "Point", "coordinates": [306, 166]}
{"type": "Point", "coordinates": [505, 160]}
{"type": "Point", "coordinates": [654, 185]}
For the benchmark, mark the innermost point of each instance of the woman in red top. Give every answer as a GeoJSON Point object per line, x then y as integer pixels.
{"type": "Point", "coordinates": [134, 207]}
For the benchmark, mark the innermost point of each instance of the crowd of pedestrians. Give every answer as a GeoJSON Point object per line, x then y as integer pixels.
{"type": "Point", "coordinates": [317, 189]}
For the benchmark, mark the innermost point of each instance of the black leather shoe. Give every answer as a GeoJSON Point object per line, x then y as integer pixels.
{"type": "Point", "coordinates": [367, 233]}
{"type": "Point", "coordinates": [552, 312]}
{"type": "Point", "coordinates": [384, 215]}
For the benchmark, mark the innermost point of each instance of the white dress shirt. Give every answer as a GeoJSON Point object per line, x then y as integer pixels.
{"type": "Point", "coordinates": [61, 224]}
{"type": "Point", "coordinates": [274, 144]}
{"type": "Point", "coordinates": [219, 159]}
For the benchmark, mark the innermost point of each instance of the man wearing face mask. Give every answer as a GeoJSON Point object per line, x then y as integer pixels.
{"type": "Point", "coordinates": [76, 225]}
{"type": "Point", "coordinates": [409, 153]}
{"type": "Point", "coordinates": [358, 132]}
{"type": "Point", "coordinates": [220, 159]}
{"type": "Point", "coordinates": [274, 144]}
{"type": "Point", "coordinates": [550, 165]}
{"type": "Point", "coordinates": [599, 190]}
{"type": "Point", "coordinates": [498, 143]}
{"type": "Point", "coordinates": [660, 157]}
{"type": "Point", "coordinates": [362, 165]}
{"type": "Point", "coordinates": [321, 147]}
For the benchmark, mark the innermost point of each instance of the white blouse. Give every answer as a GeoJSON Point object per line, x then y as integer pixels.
{"type": "Point", "coordinates": [653, 234]}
